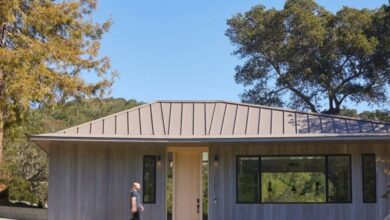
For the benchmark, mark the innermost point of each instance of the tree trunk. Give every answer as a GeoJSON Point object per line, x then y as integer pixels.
{"type": "Point", "coordinates": [334, 106]}
{"type": "Point", "coordinates": [332, 111]}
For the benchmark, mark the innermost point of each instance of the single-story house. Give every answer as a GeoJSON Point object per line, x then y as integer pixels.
{"type": "Point", "coordinates": [223, 160]}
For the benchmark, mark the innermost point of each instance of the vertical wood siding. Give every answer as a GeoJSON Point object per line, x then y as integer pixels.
{"type": "Point", "coordinates": [222, 184]}
{"type": "Point", "coordinates": [92, 180]}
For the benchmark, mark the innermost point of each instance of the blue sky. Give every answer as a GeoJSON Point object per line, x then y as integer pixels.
{"type": "Point", "coordinates": [177, 49]}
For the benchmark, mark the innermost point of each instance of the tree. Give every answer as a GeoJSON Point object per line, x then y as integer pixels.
{"type": "Point", "coordinates": [27, 168]}
{"type": "Point", "coordinates": [386, 33]}
{"type": "Point", "coordinates": [45, 46]}
{"type": "Point", "coordinates": [309, 58]}
{"type": "Point", "coordinates": [376, 115]}
{"type": "Point", "coordinates": [25, 165]}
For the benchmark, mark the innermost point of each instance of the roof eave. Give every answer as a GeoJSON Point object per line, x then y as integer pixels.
{"type": "Point", "coordinates": [40, 138]}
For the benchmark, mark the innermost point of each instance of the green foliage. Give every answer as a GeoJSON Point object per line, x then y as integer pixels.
{"type": "Point", "coordinates": [377, 115]}
{"type": "Point", "coordinates": [20, 189]}
{"type": "Point", "coordinates": [309, 58]}
{"type": "Point", "coordinates": [205, 188]}
{"type": "Point", "coordinates": [25, 165]}
{"type": "Point", "coordinates": [339, 179]}
{"type": "Point", "coordinates": [45, 46]}
{"type": "Point", "coordinates": [303, 183]}
{"type": "Point", "coordinates": [80, 111]}
{"type": "Point", "coordinates": [169, 195]}
{"type": "Point", "coordinates": [295, 179]}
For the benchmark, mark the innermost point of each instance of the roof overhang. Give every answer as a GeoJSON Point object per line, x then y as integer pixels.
{"type": "Point", "coordinates": [194, 121]}
{"type": "Point", "coordinates": [44, 140]}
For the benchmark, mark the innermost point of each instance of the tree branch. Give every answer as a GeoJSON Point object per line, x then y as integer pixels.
{"type": "Point", "coordinates": [279, 90]}
{"type": "Point", "coordinates": [3, 29]}
{"type": "Point", "coordinates": [36, 176]}
{"type": "Point", "coordinates": [345, 62]}
{"type": "Point", "coordinates": [344, 97]}
{"type": "Point", "coordinates": [351, 77]}
{"type": "Point", "coordinates": [346, 80]}
{"type": "Point", "coordinates": [305, 99]}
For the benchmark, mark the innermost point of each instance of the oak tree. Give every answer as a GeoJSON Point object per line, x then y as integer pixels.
{"type": "Point", "coordinates": [307, 57]}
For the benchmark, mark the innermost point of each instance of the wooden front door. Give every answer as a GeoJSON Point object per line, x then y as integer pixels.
{"type": "Point", "coordinates": [187, 187]}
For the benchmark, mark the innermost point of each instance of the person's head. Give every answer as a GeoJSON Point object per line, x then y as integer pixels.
{"type": "Point", "coordinates": [136, 186]}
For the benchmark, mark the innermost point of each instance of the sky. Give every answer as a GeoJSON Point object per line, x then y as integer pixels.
{"type": "Point", "coordinates": [171, 49]}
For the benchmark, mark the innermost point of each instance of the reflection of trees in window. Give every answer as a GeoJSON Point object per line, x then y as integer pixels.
{"type": "Point", "coordinates": [205, 185]}
{"type": "Point", "coordinates": [369, 178]}
{"type": "Point", "coordinates": [248, 179]}
{"type": "Point", "coordinates": [293, 179]}
{"type": "Point", "coordinates": [149, 179]}
{"type": "Point", "coordinates": [339, 179]}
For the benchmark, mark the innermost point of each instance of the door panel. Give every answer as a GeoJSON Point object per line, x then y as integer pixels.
{"type": "Point", "coordinates": [187, 185]}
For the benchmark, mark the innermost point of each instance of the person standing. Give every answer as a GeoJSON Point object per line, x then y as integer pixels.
{"type": "Point", "coordinates": [136, 207]}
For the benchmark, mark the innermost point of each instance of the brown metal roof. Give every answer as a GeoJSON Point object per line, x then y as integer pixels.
{"type": "Point", "coordinates": [213, 120]}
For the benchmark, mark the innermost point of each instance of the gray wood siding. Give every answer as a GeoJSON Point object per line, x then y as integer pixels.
{"type": "Point", "coordinates": [92, 180]}
{"type": "Point", "coordinates": [222, 184]}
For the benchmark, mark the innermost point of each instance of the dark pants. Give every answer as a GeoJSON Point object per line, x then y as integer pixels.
{"type": "Point", "coordinates": [136, 215]}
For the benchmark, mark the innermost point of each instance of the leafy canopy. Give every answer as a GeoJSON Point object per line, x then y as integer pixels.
{"type": "Point", "coordinates": [45, 47]}
{"type": "Point", "coordinates": [25, 165]}
{"type": "Point", "coordinates": [309, 58]}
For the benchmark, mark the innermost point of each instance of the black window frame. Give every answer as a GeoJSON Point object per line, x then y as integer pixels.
{"type": "Point", "coordinates": [154, 157]}
{"type": "Point", "coordinates": [350, 178]}
{"type": "Point", "coordinates": [297, 155]}
{"type": "Point", "coordinates": [259, 174]}
{"type": "Point", "coordinates": [375, 182]}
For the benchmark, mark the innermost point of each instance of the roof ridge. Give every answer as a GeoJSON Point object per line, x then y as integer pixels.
{"type": "Point", "coordinates": [189, 101]}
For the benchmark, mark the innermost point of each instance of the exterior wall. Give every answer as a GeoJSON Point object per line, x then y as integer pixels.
{"type": "Point", "coordinates": [92, 180]}
{"type": "Point", "coordinates": [222, 183]}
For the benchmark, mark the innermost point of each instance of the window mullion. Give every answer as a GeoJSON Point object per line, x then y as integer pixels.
{"type": "Point", "coordinates": [260, 182]}
{"type": "Point", "coordinates": [326, 180]}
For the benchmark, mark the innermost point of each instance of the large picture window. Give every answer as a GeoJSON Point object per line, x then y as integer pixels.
{"type": "Point", "coordinates": [149, 179]}
{"type": "Point", "coordinates": [369, 178]}
{"type": "Point", "coordinates": [294, 179]}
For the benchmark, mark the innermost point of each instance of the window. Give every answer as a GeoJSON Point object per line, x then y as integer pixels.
{"type": "Point", "coordinates": [339, 179]}
{"type": "Point", "coordinates": [369, 178]}
{"type": "Point", "coordinates": [248, 179]}
{"type": "Point", "coordinates": [294, 179]}
{"type": "Point", "coordinates": [149, 179]}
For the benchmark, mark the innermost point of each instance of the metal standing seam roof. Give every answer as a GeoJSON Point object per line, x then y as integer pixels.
{"type": "Point", "coordinates": [218, 120]}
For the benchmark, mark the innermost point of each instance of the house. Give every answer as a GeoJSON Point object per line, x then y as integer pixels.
{"type": "Point", "coordinates": [261, 163]}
